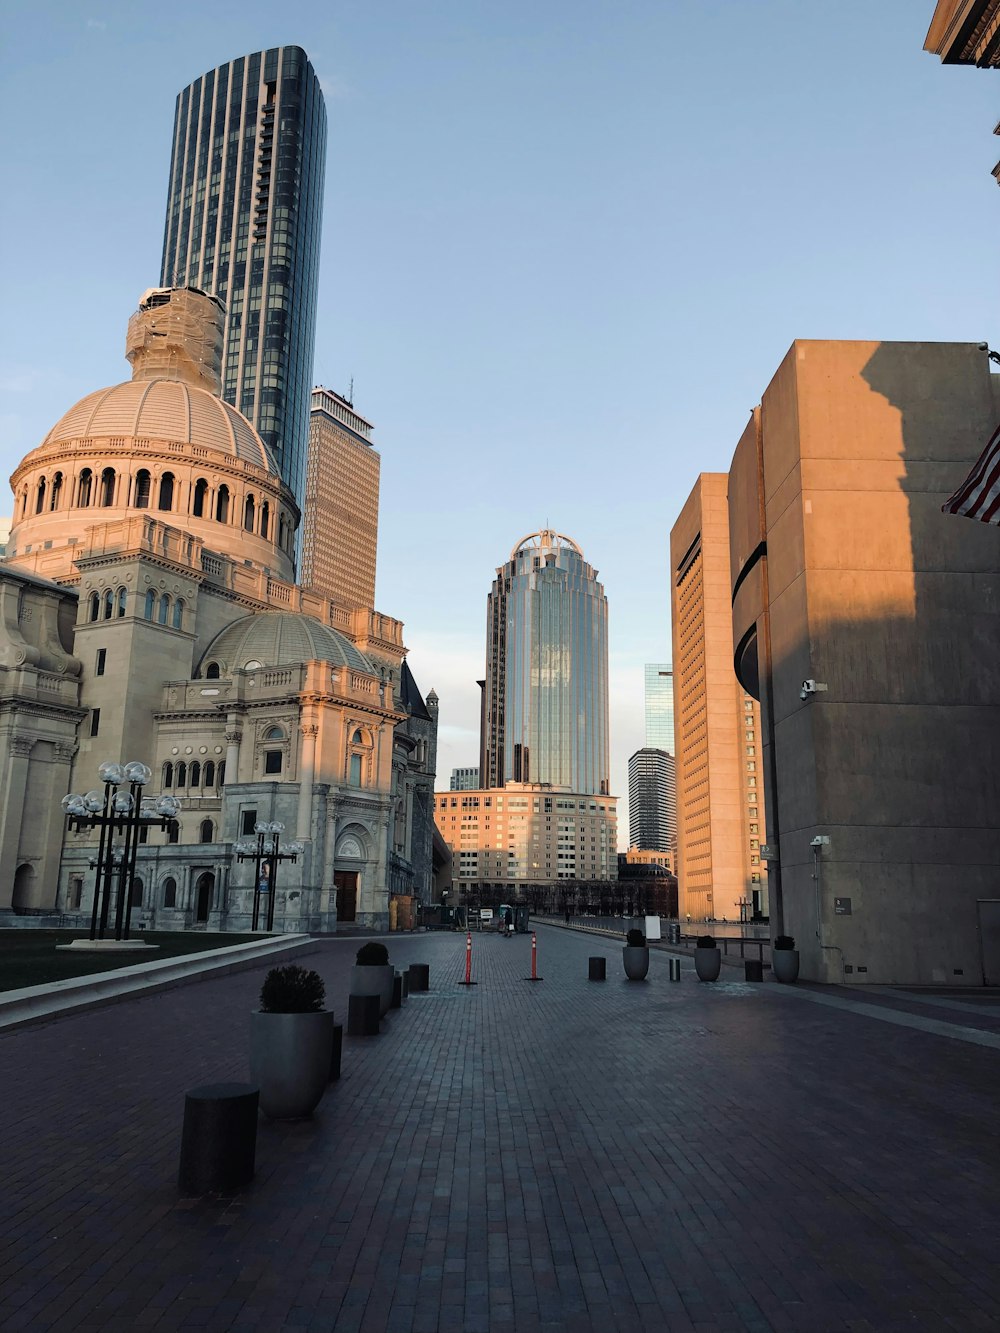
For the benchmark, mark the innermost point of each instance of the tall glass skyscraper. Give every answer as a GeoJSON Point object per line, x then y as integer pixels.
{"type": "Point", "coordinates": [660, 706]}
{"type": "Point", "coordinates": [652, 800]}
{"type": "Point", "coordinates": [545, 706]}
{"type": "Point", "coordinates": [244, 212]}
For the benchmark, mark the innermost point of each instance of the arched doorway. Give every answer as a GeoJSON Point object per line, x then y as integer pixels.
{"type": "Point", "coordinates": [24, 882]}
{"type": "Point", "coordinates": [351, 855]}
{"type": "Point", "coordinates": [203, 892]}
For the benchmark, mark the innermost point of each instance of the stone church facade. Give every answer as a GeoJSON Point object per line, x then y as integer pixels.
{"type": "Point", "coordinates": [148, 610]}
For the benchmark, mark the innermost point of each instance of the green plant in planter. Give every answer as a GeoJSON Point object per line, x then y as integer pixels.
{"type": "Point", "coordinates": [372, 954]}
{"type": "Point", "coordinates": [635, 939]}
{"type": "Point", "coordinates": [784, 942]}
{"type": "Point", "coordinates": [292, 990]}
{"type": "Point", "coordinates": [706, 941]}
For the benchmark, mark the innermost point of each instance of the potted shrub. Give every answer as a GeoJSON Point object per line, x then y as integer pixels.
{"type": "Point", "coordinates": [785, 959]}
{"type": "Point", "coordinates": [373, 974]}
{"type": "Point", "coordinates": [635, 956]}
{"type": "Point", "coordinates": [707, 958]}
{"type": "Point", "coordinates": [290, 1041]}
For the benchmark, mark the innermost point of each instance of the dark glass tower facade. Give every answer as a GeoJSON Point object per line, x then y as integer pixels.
{"type": "Point", "coordinates": [545, 714]}
{"type": "Point", "coordinates": [244, 213]}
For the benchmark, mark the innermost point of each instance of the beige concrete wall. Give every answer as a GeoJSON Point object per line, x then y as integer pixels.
{"type": "Point", "coordinates": [894, 607]}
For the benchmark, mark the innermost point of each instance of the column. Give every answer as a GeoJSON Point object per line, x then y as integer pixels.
{"type": "Point", "coordinates": [12, 813]}
{"type": "Point", "coordinates": [233, 737]}
{"type": "Point", "coordinates": [307, 773]}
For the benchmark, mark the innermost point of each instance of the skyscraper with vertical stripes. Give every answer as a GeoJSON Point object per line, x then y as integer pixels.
{"type": "Point", "coordinates": [244, 212]}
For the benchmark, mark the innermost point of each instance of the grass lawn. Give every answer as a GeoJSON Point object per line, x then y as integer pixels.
{"type": "Point", "coordinates": [30, 958]}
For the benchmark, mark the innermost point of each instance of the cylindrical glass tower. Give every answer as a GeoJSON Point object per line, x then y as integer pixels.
{"type": "Point", "coordinates": [546, 690]}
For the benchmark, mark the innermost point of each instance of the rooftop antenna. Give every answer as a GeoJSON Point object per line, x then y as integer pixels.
{"type": "Point", "coordinates": [350, 392]}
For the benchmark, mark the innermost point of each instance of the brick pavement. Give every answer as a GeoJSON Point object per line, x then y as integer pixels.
{"type": "Point", "coordinates": [511, 1159]}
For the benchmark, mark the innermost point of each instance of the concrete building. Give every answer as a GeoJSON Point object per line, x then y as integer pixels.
{"type": "Point", "coordinates": [340, 518]}
{"type": "Point", "coordinates": [546, 688]}
{"type": "Point", "coordinates": [720, 789]}
{"type": "Point", "coordinates": [524, 836]}
{"type": "Point", "coordinates": [149, 611]}
{"type": "Point", "coordinates": [244, 211]}
{"type": "Point", "coordinates": [652, 800]}
{"type": "Point", "coordinates": [464, 779]}
{"type": "Point", "coordinates": [659, 706]}
{"type": "Point", "coordinates": [867, 622]}
{"type": "Point", "coordinates": [965, 32]}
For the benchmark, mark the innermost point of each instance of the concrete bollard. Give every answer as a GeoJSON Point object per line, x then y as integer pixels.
{"type": "Point", "coordinates": [363, 1015]}
{"type": "Point", "coordinates": [397, 992]}
{"type": "Point", "coordinates": [420, 977]}
{"type": "Point", "coordinates": [754, 969]}
{"type": "Point", "coordinates": [598, 969]}
{"type": "Point", "coordinates": [675, 969]}
{"type": "Point", "coordinates": [219, 1138]}
{"type": "Point", "coordinates": [336, 1051]}
{"type": "Point", "coordinates": [406, 985]}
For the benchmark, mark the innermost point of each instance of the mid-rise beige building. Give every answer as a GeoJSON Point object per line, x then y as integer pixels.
{"type": "Point", "coordinates": [340, 518]}
{"type": "Point", "coordinates": [720, 783]}
{"type": "Point", "coordinates": [527, 834]}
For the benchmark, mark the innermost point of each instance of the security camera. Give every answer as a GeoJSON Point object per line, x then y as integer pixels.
{"type": "Point", "coordinates": [984, 347]}
{"type": "Point", "coordinates": [808, 687]}
{"type": "Point", "coordinates": [816, 842]}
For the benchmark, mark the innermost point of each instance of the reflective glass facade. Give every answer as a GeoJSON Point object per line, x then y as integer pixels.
{"type": "Point", "coordinates": [545, 716]}
{"type": "Point", "coordinates": [244, 213]}
{"type": "Point", "coordinates": [660, 706]}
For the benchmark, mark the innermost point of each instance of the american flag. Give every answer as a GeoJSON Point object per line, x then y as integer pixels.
{"type": "Point", "coordinates": [979, 494]}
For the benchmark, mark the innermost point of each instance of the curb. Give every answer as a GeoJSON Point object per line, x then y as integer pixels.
{"type": "Point", "coordinates": [37, 1004]}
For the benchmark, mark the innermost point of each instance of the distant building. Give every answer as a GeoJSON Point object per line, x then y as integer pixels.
{"type": "Point", "coordinates": [340, 519]}
{"type": "Point", "coordinates": [244, 215]}
{"type": "Point", "coordinates": [652, 800]}
{"type": "Point", "coordinates": [720, 783]}
{"type": "Point", "coordinates": [967, 32]}
{"type": "Point", "coordinates": [659, 701]}
{"type": "Point", "coordinates": [464, 779]}
{"type": "Point", "coordinates": [4, 534]}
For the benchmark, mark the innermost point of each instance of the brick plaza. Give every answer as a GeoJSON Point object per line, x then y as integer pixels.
{"type": "Point", "coordinates": [513, 1157]}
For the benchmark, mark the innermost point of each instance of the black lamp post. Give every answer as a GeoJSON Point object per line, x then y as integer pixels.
{"type": "Point", "coordinates": [265, 853]}
{"type": "Point", "coordinates": [125, 813]}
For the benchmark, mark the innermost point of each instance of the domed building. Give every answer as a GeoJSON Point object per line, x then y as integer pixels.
{"type": "Point", "coordinates": [149, 610]}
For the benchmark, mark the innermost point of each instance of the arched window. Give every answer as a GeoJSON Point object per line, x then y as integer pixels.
{"type": "Point", "coordinates": [150, 604]}
{"type": "Point", "coordinates": [40, 496]}
{"type": "Point", "coordinates": [222, 773]}
{"type": "Point", "coordinates": [209, 774]}
{"type": "Point", "coordinates": [207, 831]}
{"type": "Point", "coordinates": [357, 738]}
{"type": "Point", "coordinates": [282, 531]}
{"type": "Point", "coordinates": [212, 671]}
{"type": "Point", "coordinates": [178, 612]}
{"type": "Point", "coordinates": [94, 609]}
{"type": "Point", "coordinates": [173, 831]}
{"type": "Point", "coordinates": [194, 777]}
{"type": "Point", "coordinates": [265, 518]}
{"type": "Point", "coordinates": [137, 889]}
{"type": "Point", "coordinates": [164, 613]}
{"type": "Point", "coordinates": [109, 604]}
{"type": "Point", "coordinates": [107, 488]}
{"type": "Point", "coordinates": [222, 504]}
{"type": "Point", "coordinates": [274, 734]}
{"type": "Point", "coordinates": [166, 491]}
{"type": "Point", "coordinates": [84, 487]}
{"type": "Point", "coordinates": [141, 489]}
{"type": "Point", "coordinates": [170, 892]}
{"type": "Point", "coordinates": [200, 491]}
{"type": "Point", "coordinates": [168, 775]}
{"type": "Point", "coordinates": [248, 513]}
{"type": "Point", "coordinates": [182, 772]}
{"type": "Point", "coordinates": [122, 600]}
{"type": "Point", "coordinates": [57, 482]}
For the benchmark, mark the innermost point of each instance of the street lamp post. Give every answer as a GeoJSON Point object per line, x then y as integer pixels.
{"type": "Point", "coordinates": [265, 853]}
{"type": "Point", "coordinates": [125, 812]}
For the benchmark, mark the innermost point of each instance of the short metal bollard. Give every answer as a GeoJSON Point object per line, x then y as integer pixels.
{"type": "Point", "coordinates": [363, 1015]}
{"type": "Point", "coordinates": [336, 1051]}
{"type": "Point", "coordinates": [675, 969]}
{"type": "Point", "coordinates": [598, 969]}
{"type": "Point", "coordinates": [219, 1138]}
{"type": "Point", "coordinates": [420, 977]}
{"type": "Point", "coordinates": [406, 985]}
{"type": "Point", "coordinates": [754, 969]}
{"type": "Point", "coordinates": [397, 991]}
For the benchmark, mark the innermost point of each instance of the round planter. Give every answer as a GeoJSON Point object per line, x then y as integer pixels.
{"type": "Point", "coordinates": [636, 960]}
{"type": "Point", "coordinates": [708, 963]}
{"type": "Point", "coordinates": [785, 965]}
{"type": "Point", "coordinates": [374, 980]}
{"type": "Point", "coordinates": [290, 1061]}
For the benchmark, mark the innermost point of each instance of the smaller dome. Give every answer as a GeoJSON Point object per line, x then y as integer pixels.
{"type": "Point", "coordinates": [281, 638]}
{"type": "Point", "coordinates": [163, 409]}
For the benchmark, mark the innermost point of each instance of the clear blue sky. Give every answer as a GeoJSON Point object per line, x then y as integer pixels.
{"type": "Point", "coordinates": [566, 244]}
